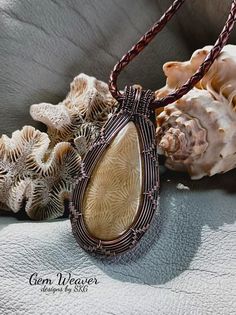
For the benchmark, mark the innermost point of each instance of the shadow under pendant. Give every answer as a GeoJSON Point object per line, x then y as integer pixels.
{"type": "Point", "coordinates": [116, 191]}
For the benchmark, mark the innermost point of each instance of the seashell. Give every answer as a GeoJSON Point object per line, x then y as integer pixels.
{"type": "Point", "coordinates": [219, 80]}
{"type": "Point", "coordinates": [33, 178]}
{"type": "Point", "coordinates": [37, 169]}
{"type": "Point", "coordinates": [197, 133]}
{"type": "Point", "coordinates": [88, 101]}
{"type": "Point", "coordinates": [84, 136]}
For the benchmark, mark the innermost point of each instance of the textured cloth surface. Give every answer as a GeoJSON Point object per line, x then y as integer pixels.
{"type": "Point", "coordinates": [188, 267]}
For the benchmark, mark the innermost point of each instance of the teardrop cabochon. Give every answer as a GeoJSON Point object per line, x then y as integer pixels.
{"type": "Point", "coordinates": [116, 191]}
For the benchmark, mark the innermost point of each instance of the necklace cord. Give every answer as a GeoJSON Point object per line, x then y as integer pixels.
{"type": "Point", "coordinates": [148, 37]}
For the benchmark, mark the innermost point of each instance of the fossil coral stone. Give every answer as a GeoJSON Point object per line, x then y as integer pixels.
{"type": "Point", "coordinates": [88, 102]}
{"type": "Point", "coordinates": [197, 133]}
{"type": "Point", "coordinates": [113, 193]}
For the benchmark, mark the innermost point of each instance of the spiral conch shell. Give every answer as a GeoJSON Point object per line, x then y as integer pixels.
{"type": "Point", "coordinates": [37, 169]}
{"type": "Point", "coordinates": [197, 133]}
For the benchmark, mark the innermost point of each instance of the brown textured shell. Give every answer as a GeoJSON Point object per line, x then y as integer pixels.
{"type": "Point", "coordinates": [37, 169]}
{"type": "Point", "coordinates": [34, 178]}
{"type": "Point", "coordinates": [88, 102]}
{"type": "Point", "coordinates": [197, 133]}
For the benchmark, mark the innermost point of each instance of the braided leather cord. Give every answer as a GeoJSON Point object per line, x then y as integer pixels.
{"type": "Point", "coordinates": [145, 40]}
{"type": "Point", "coordinates": [141, 44]}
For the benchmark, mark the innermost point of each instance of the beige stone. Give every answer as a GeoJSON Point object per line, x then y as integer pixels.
{"type": "Point", "coordinates": [113, 194]}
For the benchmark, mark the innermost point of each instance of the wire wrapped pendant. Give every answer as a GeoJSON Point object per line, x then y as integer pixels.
{"type": "Point", "coordinates": [116, 192]}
